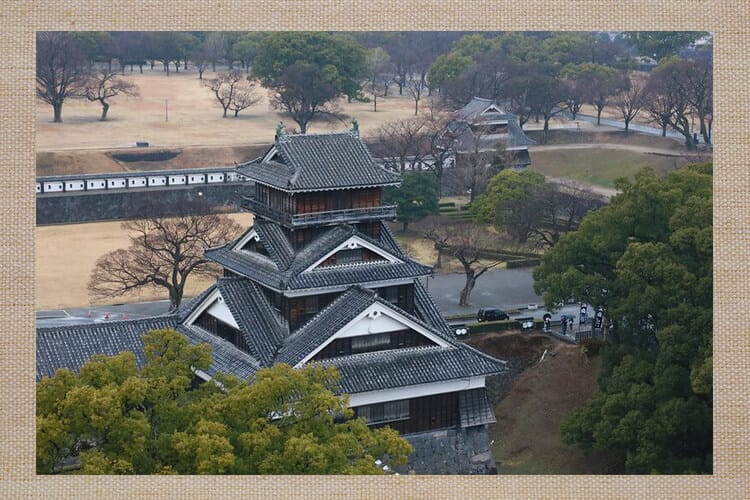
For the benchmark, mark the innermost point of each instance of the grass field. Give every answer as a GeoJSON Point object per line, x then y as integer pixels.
{"type": "Point", "coordinates": [601, 166]}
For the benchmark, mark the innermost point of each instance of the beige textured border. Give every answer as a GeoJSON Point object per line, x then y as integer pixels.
{"type": "Point", "coordinates": [728, 19]}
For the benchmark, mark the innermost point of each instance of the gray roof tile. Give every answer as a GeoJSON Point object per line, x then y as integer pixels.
{"type": "Point", "coordinates": [249, 307]}
{"type": "Point", "coordinates": [381, 370]}
{"type": "Point", "coordinates": [263, 270]}
{"type": "Point", "coordinates": [319, 162]}
{"type": "Point", "coordinates": [474, 408]}
{"type": "Point", "coordinates": [327, 322]}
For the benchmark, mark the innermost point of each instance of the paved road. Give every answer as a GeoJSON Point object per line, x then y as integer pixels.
{"type": "Point", "coordinates": [504, 288]}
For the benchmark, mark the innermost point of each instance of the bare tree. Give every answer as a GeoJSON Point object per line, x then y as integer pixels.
{"type": "Point", "coordinates": [163, 253]}
{"type": "Point", "coordinates": [403, 143]}
{"type": "Point", "coordinates": [378, 63]}
{"type": "Point", "coordinates": [630, 102]}
{"type": "Point", "coordinates": [549, 211]}
{"type": "Point", "coordinates": [61, 69]}
{"type": "Point", "coordinates": [215, 48]}
{"type": "Point", "coordinates": [478, 164]}
{"type": "Point", "coordinates": [416, 88]}
{"type": "Point", "coordinates": [104, 85]}
{"type": "Point", "coordinates": [465, 242]}
{"type": "Point", "coordinates": [233, 91]}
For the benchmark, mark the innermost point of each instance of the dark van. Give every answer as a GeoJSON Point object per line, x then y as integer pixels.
{"type": "Point", "coordinates": [491, 314]}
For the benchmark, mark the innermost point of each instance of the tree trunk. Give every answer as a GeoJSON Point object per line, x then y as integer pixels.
{"type": "Point", "coordinates": [598, 116]}
{"type": "Point", "coordinates": [236, 112]}
{"type": "Point", "coordinates": [213, 66]}
{"type": "Point", "coordinates": [302, 127]}
{"type": "Point", "coordinates": [664, 130]}
{"type": "Point", "coordinates": [200, 74]}
{"type": "Point", "coordinates": [466, 292]}
{"type": "Point", "coordinates": [627, 125]}
{"type": "Point", "coordinates": [416, 107]}
{"type": "Point", "coordinates": [375, 103]}
{"type": "Point", "coordinates": [225, 113]}
{"type": "Point", "coordinates": [140, 66]}
{"type": "Point", "coordinates": [57, 107]}
{"type": "Point", "coordinates": [405, 226]}
{"type": "Point", "coordinates": [439, 260]}
{"type": "Point", "coordinates": [105, 108]}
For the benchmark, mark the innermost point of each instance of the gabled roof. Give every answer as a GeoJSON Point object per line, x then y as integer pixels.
{"type": "Point", "coordinates": [291, 277]}
{"type": "Point", "coordinates": [325, 324]}
{"type": "Point", "coordinates": [250, 309]}
{"type": "Point", "coordinates": [298, 163]}
{"type": "Point", "coordinates": [380, 370]}
{"type": "Point", "coordinates": [72, 346]}
{"type": "Point", "coordinates": [477, 110]}
{"type": "Point", "coordinates": [252, 312]}
{"type": "Point", "coordinates": [334, 317]}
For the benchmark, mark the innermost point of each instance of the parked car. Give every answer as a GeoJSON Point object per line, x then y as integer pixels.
{"type": "Point", "coordinates": [491, 314]}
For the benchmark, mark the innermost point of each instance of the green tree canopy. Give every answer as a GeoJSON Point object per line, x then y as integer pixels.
{"type": "Point", "coordinates": [120, 419]}
{"type": "Point", "coordinates": [506, 186]}
{"type": "Point", "coordinates": [647, 259]}
{"type": "Point", "coordinates": [308, 70]}
{"type": "Point", "coordinates": [416, 198]}
{"type": "Point", "coordinates": [661, 44]}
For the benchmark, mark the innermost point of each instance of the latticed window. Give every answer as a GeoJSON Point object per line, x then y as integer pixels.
{"type": "Point", "coordinates": [384, 412]}
{"type": "Point", "coordinates": [367, 343]}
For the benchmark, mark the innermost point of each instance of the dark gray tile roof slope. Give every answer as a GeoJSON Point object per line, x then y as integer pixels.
{"type": "Point", "coordinates": [72, 346]}
{"type": "Point", "coordinates": [249, 307]}
{"type": "Point", "coordinates": [324, 324]}
{"type": "Point", "coordinates": [275, 242]}
{"type": "Point", "coordinates": [263, 270]}
{"type": "Point", "coordinates": [225, 357]}
{"type": "Point", "coordinates": [382, 370]}
{"type": "Point", "coordinates": [319, 162]}
{"type": "Point", "coordinates": [428, 312]}
{"type": "Point", "coordinates": [475, 408]}
{"type": "Point", "coordinates": [336, 315]}
{"type": "Point", "coordinates": [474, 107]}
{"type": "Point", "coordinates": [186, 308]}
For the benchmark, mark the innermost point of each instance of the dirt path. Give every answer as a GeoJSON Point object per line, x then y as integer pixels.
{"type": "Point", "coordinates": [628, 147]}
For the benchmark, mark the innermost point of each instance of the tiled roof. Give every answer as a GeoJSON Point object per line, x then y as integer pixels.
{"type": "Point", "coordinates": [474, 107]}
{"type": "Point", "coordinates": [72, 346]}
{"type": "Point", "coordinates": [265, 271]}
{"type": "Point", "coordinates": [186, 308]}
{"type": "Point", "coordinates": [275, 242]}
{"type": "Point", "coordinates": [474, 408]}
{"type": "Point", "coordinates": [319, 162]}
{"type": "Point", "coordinates": [326, 323]}
{"type": "Point", "coordinates": [428, 312]}
{"type": "Point", "coordinates": [374, 371]}
{"type": "Point", "coordinates": [225, 357]}
{"type": "Point", "coordinates": [254, 316]}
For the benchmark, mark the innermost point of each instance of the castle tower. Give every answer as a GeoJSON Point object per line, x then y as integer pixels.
{"type": "Point", "coordinates": [320, 278]}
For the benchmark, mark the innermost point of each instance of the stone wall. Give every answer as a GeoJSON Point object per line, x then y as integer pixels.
{"type": "Point", "coordinates": [451, 451]}
{"type": "Point", "coordinates": [64, 208]}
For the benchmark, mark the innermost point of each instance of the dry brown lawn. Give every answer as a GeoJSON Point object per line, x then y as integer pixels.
{"type": "Point", "coordinates": [526, 437]}
{"type": "Point", "coordinates": [194, 117]}
{"type": "Point", "coordinates": [66, 255]}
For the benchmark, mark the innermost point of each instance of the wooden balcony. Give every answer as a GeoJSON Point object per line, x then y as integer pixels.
{"type": "Point", "coordinates": [381, 212]}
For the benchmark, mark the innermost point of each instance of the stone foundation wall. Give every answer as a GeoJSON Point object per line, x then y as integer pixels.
{"type": "Point", "coordinates": [64, 208]}
{"type": "Point", "coordinates": [451, 451]}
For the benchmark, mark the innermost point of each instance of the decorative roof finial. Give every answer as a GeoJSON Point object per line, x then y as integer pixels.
{"type": "Point", "coordinates": [279, 130]}
{"type": "Point", "coordinates": [355, 127]}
